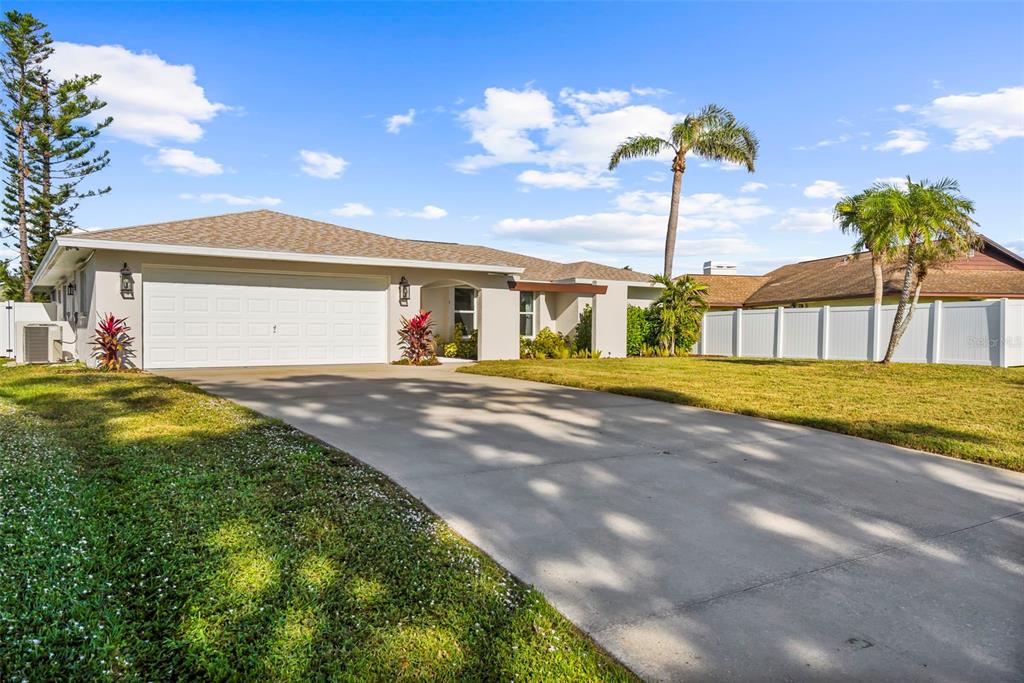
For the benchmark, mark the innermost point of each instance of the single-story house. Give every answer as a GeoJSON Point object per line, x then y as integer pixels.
{"type": "Point", "coordinates": [991, 272]}
{"type": "Point", "coordinates": [267, 288]}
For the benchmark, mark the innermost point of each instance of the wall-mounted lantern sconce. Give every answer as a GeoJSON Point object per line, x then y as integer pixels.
{"type": "Point", "coordinates": [403, 291]}
{"type": "Point", "coordinates": [127, 283]}
{"type": "Point", "coordinates": [70, 289]}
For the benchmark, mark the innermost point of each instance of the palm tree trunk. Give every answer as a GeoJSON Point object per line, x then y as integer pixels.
{"type": "Point", "coordinates": [673, 219]}
{"type": "Point", "coordinates": [876, 267]}
{"type": "Point", "coordinates": [897, 323]}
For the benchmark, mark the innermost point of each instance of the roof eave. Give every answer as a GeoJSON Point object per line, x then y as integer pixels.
{"type": "Point", "coordinates": [157, 248]}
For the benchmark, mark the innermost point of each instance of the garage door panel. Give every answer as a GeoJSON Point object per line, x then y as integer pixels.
{"type": "Point", "coordinates": [222, 318]}
{"type": "Point", "coordinates": [229, 304]}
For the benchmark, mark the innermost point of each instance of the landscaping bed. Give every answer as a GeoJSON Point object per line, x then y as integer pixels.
{"type": "Point", "coordinates": [151, 531]}
{"type": "Point", "coordinates": [970, 412]}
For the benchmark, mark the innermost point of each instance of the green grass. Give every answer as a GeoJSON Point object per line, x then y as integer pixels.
{"type": "Point", "coordinates": [969, 412]}
{"type": "Point", "coordinates": [150, 531]}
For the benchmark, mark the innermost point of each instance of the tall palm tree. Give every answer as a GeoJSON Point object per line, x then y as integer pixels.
{"type": "Point", "coordinates": [681, 301]}
{"type": "Point", "coordinates": [862, 215]}
{"type": "Point", "coordinates": [932, 222]}
{"type": "Point", "coordinates": [712, 133]}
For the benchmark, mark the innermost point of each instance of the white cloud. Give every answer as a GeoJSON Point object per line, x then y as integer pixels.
{"type": "Point", "coordinates": [321, 164]}
{"type": "Point", "coordinates": [398, 121]}
{"type": "Point", "coordinates": [352, 209]}
{"type": "Point", "coordinates": [607, 232]}
{"type": "Point", "coordinates": [822, 189]}
{"type": "Point", "coordinates": [184, 161]}
{"type": "Point", "coordinates": [637, 224]}
{"type": "Point", "coordinates": [230, 199]}
{"type": "Point", "coordinates": [649, 92]}
{"type": "Point", "coordinates": [503, 124]}
{"type": "Point", "coordinates": [905, 141]}
{"type": "Point", "coordinates": [1016, 246]}
{"type": "Point", "coordinates": [829, 142]}
{"type": "Point", "coordinates": [979, 121]}
{"type": "Point", "coordinates": [898, 181]}
{"type": "Point", "coordinates": [428, 212]}
{"type": "Point", "coordinates": [150, 100]}
{"type": "Point", "coordinates": [752, 187]}
{"type": "Point", "coordinates": [902, 108]}
{"type": "Point", "coordinates": [805, 220]}
{"type": "Point", "coordinates": [590, 141]}
{"type": "Point", "coordinates": [566, 180]}
{"type": "Point", "coordinates": [702, 210]}
{"type": "Point", "coordinates": [615, 232]}
{"type": "Point", "coordinates": [585, 103]}
{"type": "Point", "coordinates": [525, 126]}
{"type": "Point", "coordinates": [723, 165]}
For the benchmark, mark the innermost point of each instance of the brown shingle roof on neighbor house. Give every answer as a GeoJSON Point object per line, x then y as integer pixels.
{"type": "Point", "coordinates": [850, 277]}
{"type": "Point", "coordinates": [266, 230]}
{"type": "Point", "coordinates": [730, 290]}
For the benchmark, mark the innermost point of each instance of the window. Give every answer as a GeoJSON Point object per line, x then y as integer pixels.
{"type": "Point", "coordinates": [465, 308]}
{"type": "Point", "coordinates": [527, 316]}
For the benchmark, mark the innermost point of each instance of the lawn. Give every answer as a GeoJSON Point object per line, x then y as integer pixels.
{"type": "Point", "coordinates": [969, 412]}
{"type": "Point", "coordinates": [150, 531]}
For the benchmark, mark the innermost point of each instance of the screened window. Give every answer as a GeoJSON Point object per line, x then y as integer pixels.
{"type": "Point", "coordinates": [527, 314]}
{"type": "Point", "coordinates": [465, 308]}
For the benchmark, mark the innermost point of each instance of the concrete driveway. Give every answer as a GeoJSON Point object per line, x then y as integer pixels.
{"type": "Point", "coordinates": [692, 544]}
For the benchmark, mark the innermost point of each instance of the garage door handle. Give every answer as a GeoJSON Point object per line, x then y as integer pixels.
{"type": "Point", "coordinates": [275, 329]}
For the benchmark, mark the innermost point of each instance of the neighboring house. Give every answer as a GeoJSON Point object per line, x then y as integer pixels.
{"type": "Point", "coordinates": [267, 288]}
{"type": "Point", "coordinates": [992, 272]}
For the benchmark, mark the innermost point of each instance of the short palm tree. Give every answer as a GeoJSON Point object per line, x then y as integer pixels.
{"type": "Point", "coordinates": [682, 302]}
{"type": "Point", "coordinates": [866, 218]}
{"type": "Point", "coordinates": [932, 223]}
{"type": "Point", "coordinates": [712, 133]}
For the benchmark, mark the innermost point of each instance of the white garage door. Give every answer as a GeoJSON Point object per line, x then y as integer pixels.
{"type": "Point", "coordinates": [201, 318]}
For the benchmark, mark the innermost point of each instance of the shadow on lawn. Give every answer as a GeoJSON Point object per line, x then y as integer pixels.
{"type": "Point", "coordinates": [237, 547]}
{"type": "Point", "coordinates": [639, 513]}
{"type": "Point", "coordinates": [906, 433]}
{"type": "Point", "coordinates": [782, 362]}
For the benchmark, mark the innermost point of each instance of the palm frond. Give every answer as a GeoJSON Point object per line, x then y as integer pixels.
{"type": "Point", "coordinates": [714, 133]}
{"type": "Point", "coordinates": [637, 147]}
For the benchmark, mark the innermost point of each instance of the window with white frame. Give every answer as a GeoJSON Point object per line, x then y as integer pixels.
{"type": "Point", "coordinates": [527, 314]}
{"type": "Point", "coordinates": [464, 306]}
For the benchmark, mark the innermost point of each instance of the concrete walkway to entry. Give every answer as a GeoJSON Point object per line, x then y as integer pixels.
{"type": "Point", "coordinates": [692, 544]}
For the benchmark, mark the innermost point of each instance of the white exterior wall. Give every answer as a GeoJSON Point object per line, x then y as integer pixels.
{"type": "Point", "coordinates": [609, 334]}
{"type": "Point", "coordinates": [498, 308]}
{"type": "Point", "coordinates": [102, 273]}
{"type": "Point", "coordinates": [962, 332]}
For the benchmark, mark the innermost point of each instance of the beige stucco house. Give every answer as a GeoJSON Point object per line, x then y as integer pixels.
{"type": "Point", "coordinates": [267, 288]}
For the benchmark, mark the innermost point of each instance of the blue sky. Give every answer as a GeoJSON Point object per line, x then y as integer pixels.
{"type": "Point", "coordinates": [510, 112]}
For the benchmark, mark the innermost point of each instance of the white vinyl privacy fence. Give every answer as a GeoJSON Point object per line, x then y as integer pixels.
{"type": "Point", "coordinates": [987, 332]}
{"type": "Point", "coordinates": [13, 312]}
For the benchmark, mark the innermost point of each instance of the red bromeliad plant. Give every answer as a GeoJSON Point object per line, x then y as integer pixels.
{"type": "Point", "coordinates": [416, 338]}
{"type": "Point", "coordinates": [111, 343]}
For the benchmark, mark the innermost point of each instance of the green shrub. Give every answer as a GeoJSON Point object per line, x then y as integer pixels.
{"type": "Point", "coordinates": [525, 347]}
{"type": "Point", "coordinates": [461, 346]}
{"type": "Point", "coordinates": [581, 333]}
{"type": "Point", "coordinates": [642, 328]}
{"type": "Point", "coordinates": [549, 344]}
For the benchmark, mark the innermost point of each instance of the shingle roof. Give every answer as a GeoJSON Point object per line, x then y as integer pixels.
{"type": "Point", "coordinates": [274, 231]}
{"type": "Point", "coordinates": [849, 277]}
{"type": "Point", "coordinates": [730, 290]}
